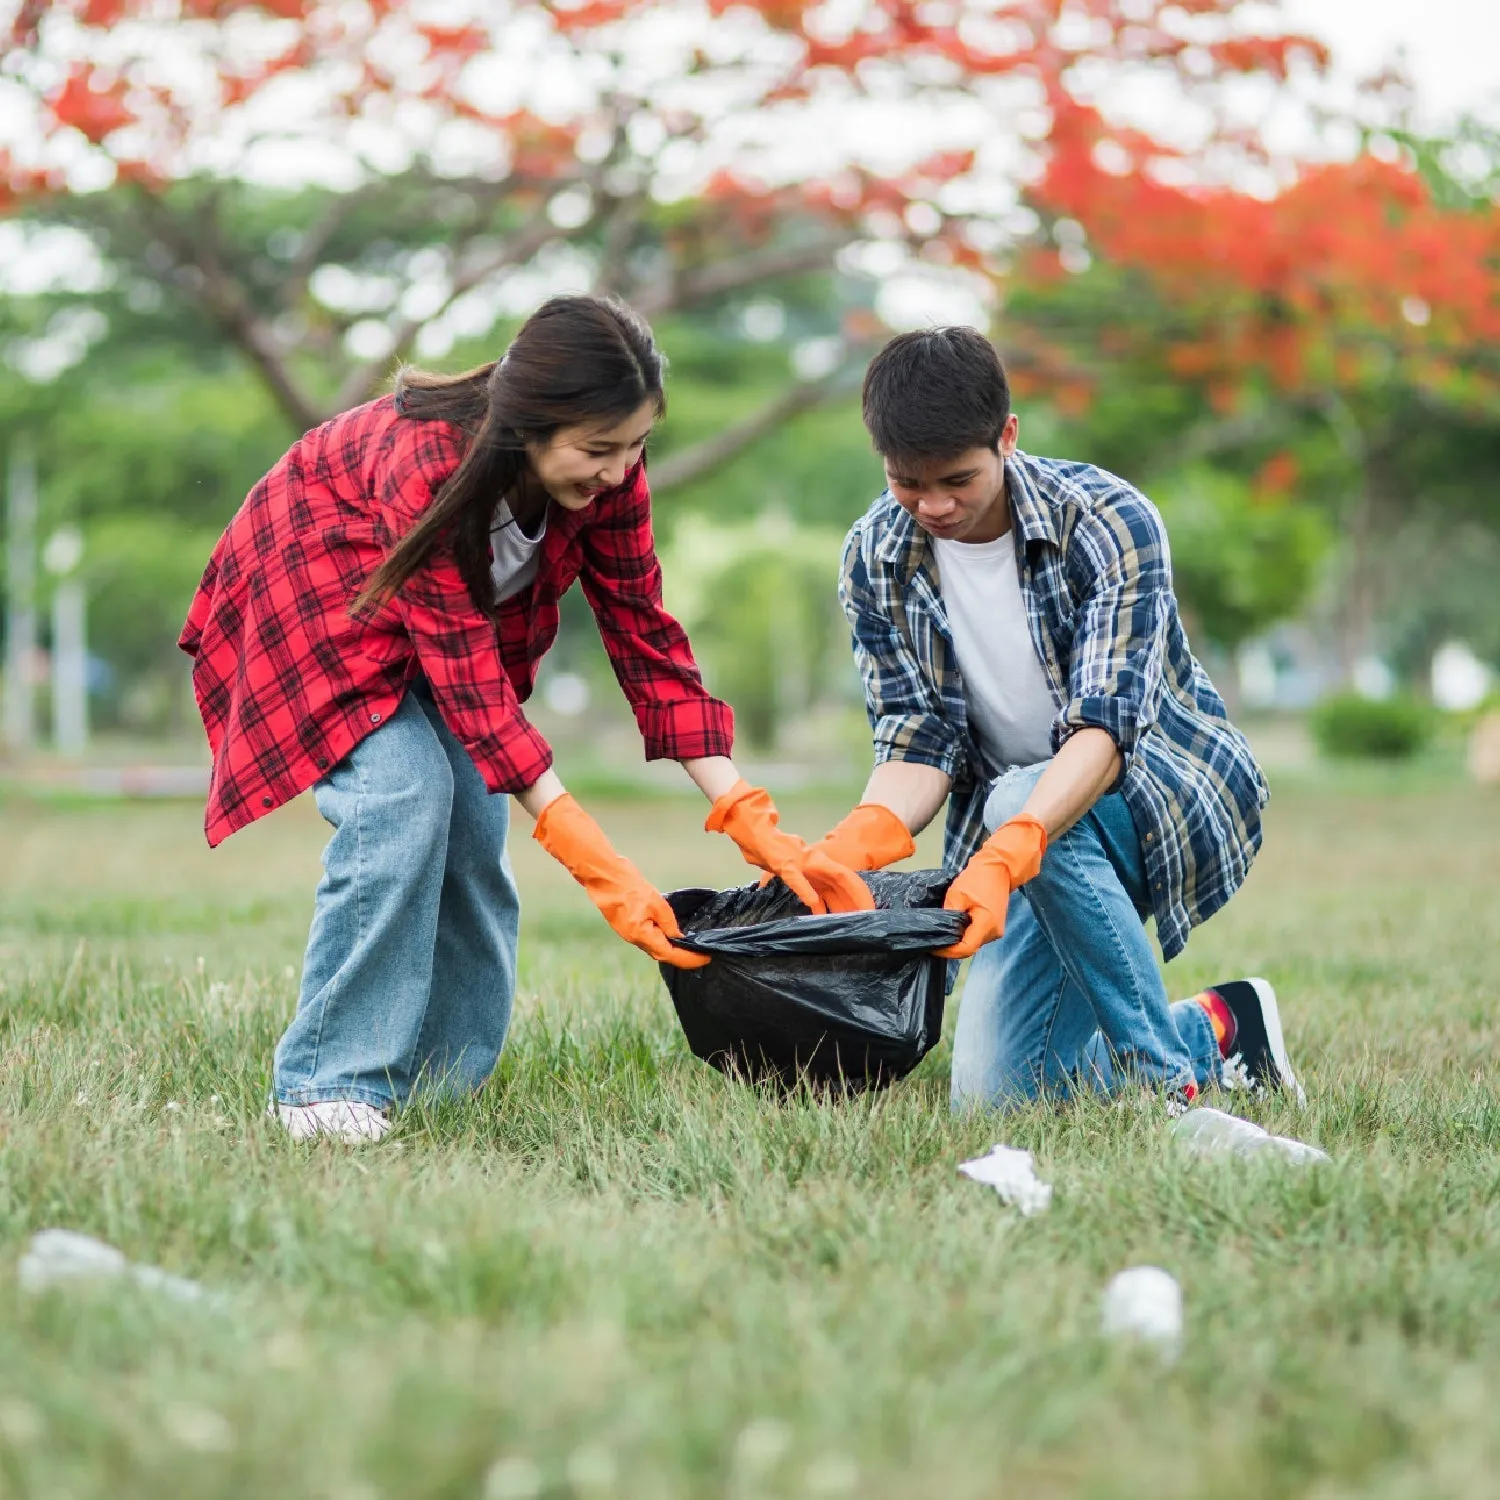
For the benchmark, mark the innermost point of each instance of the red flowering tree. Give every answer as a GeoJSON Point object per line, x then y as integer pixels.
{"type": "Point", "coordinates": [1334, 338]}
{"type": "Point", "coordinates": [686, 153]}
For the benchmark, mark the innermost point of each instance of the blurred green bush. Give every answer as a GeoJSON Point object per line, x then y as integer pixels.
{"type": "Point", "coordinates": [1348, 726]}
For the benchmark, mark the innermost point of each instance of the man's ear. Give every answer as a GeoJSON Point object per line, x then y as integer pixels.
{"type": "Point", "coordinates": [1009, 434]}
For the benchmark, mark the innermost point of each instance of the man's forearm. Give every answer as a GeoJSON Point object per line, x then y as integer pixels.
{"type": "Point", "coordinates": [912, 791]}
{"type": "Point", "coordinates": [1075, 779]}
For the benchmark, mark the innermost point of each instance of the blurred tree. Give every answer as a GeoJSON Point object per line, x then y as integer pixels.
{"type": "Point", "coordinates": [1244, 556]}
{"type": "Point", "coordinates": [686, 156]}
{"type": "Point", "coordinates": [760, 599]}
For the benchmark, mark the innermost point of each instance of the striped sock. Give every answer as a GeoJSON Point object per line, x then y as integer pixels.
{"type": "Point", "coordinates": [1221, 1018]}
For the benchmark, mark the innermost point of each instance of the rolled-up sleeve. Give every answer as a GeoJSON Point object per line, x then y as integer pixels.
{"type": "Point", "coordinates": [648, 649]}
{"type": "Point", "coordinates": [455, 641]}
{"type": "Point", "coordinates": [905, 717]}
{"type": "Point", "coordinates": [1120, 571]}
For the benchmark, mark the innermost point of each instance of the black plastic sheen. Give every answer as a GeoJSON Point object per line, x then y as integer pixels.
{"type": "Point", "coordinates": [850, 1001]}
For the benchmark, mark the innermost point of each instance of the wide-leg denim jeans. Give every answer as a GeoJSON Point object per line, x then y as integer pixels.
{"type": "Point", "coordinates": [1071, 996]}
{"type": "Point", "coordinates": [411, 962]}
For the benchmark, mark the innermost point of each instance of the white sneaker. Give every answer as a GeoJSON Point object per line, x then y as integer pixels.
{"type": "Point", "coordinates": [349, 1120]}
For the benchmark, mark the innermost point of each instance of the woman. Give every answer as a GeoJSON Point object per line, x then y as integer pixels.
{"type": "Point", "coordinates": [369, 625]}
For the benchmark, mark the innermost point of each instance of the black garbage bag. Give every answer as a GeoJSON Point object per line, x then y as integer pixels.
{"type": "Point", "coordinates": [850, 1001]}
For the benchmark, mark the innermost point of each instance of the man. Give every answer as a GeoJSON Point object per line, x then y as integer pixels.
{"type": "Point", "coordinates": [1023, 660]}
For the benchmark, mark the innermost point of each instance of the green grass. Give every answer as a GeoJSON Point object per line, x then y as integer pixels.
{"type": "Point", "coordinates": [615, 1273]}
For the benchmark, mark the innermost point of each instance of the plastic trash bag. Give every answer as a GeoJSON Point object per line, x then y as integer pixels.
{"type": "Point", "coordinates": [850, 1001]}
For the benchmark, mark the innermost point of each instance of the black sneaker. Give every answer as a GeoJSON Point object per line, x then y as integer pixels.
{"type": "Point", "coordinates": [1259, 1057]}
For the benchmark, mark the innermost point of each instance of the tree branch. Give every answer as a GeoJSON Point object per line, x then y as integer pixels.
{"type": "Point", "coordinates": [319, 235]}
{"type": "Point", "coordinates": [520, 247]}
{"type": "Point", "coordinates": [620, 224]}
{"type": "Point", "coordinates": [703, 457]}
{"type": "Point", "coordinates": [224, 299]}
{"type": "Point", "coordinates": [730, 275]}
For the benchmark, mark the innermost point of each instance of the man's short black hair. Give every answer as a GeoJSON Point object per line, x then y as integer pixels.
{"type": "Point", "coordinates": [935, 394]}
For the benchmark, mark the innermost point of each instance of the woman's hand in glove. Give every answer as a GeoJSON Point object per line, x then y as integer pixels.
{"type": "Point", "coordinates": [627, 900]}
{"type": "Point", "coordinates": [747, 814]}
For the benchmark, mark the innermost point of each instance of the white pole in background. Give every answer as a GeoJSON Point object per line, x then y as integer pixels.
{"type": "Point", "coordinates": [20, 601]}
{"type": "Point", "coordinates": [70, 700]}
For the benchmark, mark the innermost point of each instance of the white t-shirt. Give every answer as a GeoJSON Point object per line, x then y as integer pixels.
{"type": "Point", "coordinates": [1010, 703]}
{"type": "Point", "coordinates": [513, 555]}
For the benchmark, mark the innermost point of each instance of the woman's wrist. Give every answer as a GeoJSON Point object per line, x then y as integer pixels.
{"type": "Point", "coordinates": [713, 775]}
{"type": "Point", "coordinates": [542, 793]}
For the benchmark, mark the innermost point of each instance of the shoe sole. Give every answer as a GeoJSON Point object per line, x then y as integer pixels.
{"type": "Point", "coordinates": [1271, 1018]}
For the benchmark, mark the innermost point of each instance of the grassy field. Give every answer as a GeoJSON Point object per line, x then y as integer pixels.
{"type": "Point", "coordinates": [616, 1274]}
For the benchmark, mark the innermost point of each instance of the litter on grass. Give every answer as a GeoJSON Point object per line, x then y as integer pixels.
{"type": "Point", "coordinates": [1211, 1132]}
{"type": "Point", "coordinates": [1011, 1173]}
{"type": "Point", "coordinates": [57, 1257]}
{"type": "Point", "coordinates": [1145, 1303]}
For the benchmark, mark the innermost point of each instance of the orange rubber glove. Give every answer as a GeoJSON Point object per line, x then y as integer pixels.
{"type": "Point", "coordinates": [747, 814]}
{"type": "Point", "coordinates": [1007, 859]}
{"type": "Point", "coordinates": [626, 899]}
{"type": "Point", "coordinates": [870, 838]}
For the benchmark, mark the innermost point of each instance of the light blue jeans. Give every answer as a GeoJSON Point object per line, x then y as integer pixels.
{"type": "Point", "coordinates": [1070, 996]}
{"type": "Point", "coordinates": [411, 963]}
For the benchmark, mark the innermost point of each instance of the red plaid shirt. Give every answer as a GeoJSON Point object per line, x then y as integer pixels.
{"type": "Point", "coordinates": [288, 684]}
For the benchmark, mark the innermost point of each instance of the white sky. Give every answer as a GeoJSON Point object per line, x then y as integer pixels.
{"type": "Point", "coordinates": [1452, 47]}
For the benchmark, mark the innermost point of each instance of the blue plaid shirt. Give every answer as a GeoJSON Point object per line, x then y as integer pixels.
{"type": "Point", "coordinates": [1096, 576]}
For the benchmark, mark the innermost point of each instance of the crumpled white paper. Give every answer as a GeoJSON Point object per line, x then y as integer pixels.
{"type": "Point", "coordinates": [58, 1256]}
{"type": "Point", "coordinates": [1011, 1173]}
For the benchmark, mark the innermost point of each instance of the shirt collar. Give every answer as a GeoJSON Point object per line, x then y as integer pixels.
{"type": "Point", "coordinates": [1030, 514]}
{"type": "Point", "coordinates": [906, 545]}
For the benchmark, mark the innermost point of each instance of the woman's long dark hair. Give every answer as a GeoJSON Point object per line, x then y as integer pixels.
{"type": "Point", "coordinates": [575, 359]}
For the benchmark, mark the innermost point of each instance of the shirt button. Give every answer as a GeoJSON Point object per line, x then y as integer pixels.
{"type": "Point", "coordinates": [1149, 837]}
{"type": "Point", "coordinates": [322, 762]}
{"type": "Point", "coordinates": [265, 801]}
{"type": "Point", "coordinates": [374, 718]}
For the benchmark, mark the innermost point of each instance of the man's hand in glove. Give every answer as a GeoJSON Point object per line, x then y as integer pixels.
{"type": "Point", "coordinates": [1006, 860]}
{"type": "Point", "coordinates": [870, 838]}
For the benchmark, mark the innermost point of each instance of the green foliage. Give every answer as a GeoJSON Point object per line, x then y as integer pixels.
{"type": "Point", "coordinates": [759, 599]}
{"type": "Point", "coordinates": [1349, 726]}
{"type": "Point", "coordinates": [1239, 563]}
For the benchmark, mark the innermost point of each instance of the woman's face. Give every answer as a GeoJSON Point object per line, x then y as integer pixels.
{"type": "Point", "coordinates": [583, 461]}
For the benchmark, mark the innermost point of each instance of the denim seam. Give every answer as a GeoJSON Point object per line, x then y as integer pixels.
{"type": "Point", "coordinates": [1062, 984]}
{"type": "Point", "coordinates": [409, 1062]}
{"type": "Point", "coordinates": [1082, 880]}
{"type": "Point", "coordinates": [332, 1093]}
{"type": "Point", "coordinates": [359, 909]}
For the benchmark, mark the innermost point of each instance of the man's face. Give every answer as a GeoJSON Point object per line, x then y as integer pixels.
{"type": "Point", "coordinates": [958, 499]}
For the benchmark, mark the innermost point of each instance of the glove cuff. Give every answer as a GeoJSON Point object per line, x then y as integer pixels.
{"type": "Point", "coordinates": [574, 839]}
{"type": "Point", "coordinates": [1020, 842]}
{"type": "Point", "coordinates": [737, 797]}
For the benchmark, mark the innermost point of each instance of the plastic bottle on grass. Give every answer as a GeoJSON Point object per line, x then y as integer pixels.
{"type": "Point", "coordinates": [1211, 1132]}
